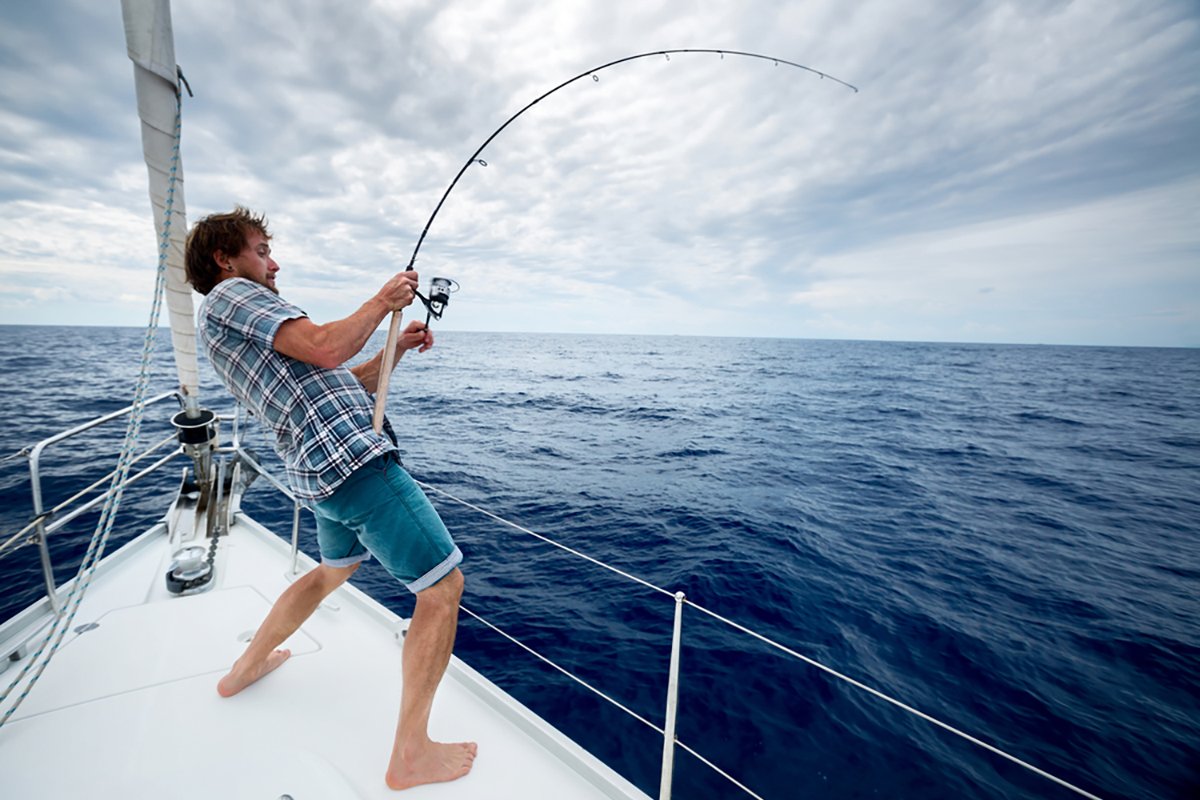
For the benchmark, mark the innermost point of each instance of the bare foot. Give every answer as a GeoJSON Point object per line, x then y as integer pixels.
{"type": "Point", "coordinates": [237, 679]}
{"type": "Point", "coordinates": [433, 762]}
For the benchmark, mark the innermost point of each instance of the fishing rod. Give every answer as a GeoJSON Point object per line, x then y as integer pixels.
{"type": "Point", "coordinates": [439, 294]}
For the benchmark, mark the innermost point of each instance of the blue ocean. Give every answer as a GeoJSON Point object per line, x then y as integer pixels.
{"type": "Point", "coordinates": [1006, 538]}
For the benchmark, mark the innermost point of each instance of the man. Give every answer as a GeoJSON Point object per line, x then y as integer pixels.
{"type": "Point", "coordinates": [288, 371]}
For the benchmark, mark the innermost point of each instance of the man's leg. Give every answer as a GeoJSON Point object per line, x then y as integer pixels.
{"type": "Point", "coordinates": [290, 611]}
{"type": "Point", "coordinates": [427, 646]}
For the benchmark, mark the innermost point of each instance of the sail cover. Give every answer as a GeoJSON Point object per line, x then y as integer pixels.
{"type": "Point", "coordinates": [151, 47]}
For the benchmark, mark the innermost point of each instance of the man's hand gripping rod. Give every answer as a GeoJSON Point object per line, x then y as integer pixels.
{"type": "Point", "coordinates": [439, 295]}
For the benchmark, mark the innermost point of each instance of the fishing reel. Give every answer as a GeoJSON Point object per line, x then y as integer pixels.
{"type": "Point", "coordinates": [440, 290]}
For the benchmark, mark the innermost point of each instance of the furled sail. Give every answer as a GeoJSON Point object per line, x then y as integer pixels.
{"type": "Point", "coordinates": [151, 46]}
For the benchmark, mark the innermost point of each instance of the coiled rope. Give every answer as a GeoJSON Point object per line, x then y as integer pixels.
{"type": "Point", "coordinates": [87, 567]}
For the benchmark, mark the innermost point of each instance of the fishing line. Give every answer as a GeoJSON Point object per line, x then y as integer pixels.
{"type": "Point", "coordinates": [475, 159]}
{"type": "Point", "coordinates": [393, 330]}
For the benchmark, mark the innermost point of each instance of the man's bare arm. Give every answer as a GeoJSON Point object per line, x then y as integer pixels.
{"type": "Point", "coordinates": [332, 344]}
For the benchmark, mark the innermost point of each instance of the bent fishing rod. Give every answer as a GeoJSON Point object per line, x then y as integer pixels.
{"type": "Point", "coordinates": [441, 288]}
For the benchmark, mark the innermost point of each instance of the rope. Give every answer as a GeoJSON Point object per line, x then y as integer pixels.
{"type": "Point", "coordinates": [95, 551]}
{"type": "Point", "coordinates": [737, 626]}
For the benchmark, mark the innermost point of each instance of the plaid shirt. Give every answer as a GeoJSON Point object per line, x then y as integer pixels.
{"type": "Point", "coordinates": [321, 418]}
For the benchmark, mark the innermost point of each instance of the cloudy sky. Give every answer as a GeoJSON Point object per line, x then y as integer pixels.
{"type": "Point", "coordinates": [1008, 172]}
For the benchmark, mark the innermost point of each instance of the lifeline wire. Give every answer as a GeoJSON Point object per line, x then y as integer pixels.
{"type": "Point", "coordinates": [609, 699]}
{"type": "Point", "coordinates": [782, 648]}
{"type": "Point", "coordinates": [859, 685]}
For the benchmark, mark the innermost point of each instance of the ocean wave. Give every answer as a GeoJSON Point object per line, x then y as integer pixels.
{"type": "Point", "coordinates": [1006, 536]}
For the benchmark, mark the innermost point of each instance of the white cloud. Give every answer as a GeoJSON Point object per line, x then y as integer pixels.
{"type": "Point", "coordinates": [76, 263]}
{"type": "Point", "coordinates": [667, 196]}
{"type": "Point", "coordinates": [1114, 270]}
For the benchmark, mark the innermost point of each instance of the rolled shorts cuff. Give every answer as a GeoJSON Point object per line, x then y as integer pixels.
{"type": "Point", "coordinates": [437, 573]}
{"type": "Point", "coordinates": [346, 562]}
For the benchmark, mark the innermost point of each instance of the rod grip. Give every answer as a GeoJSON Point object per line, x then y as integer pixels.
{"type": "Point", "coordinates": [385, 373]}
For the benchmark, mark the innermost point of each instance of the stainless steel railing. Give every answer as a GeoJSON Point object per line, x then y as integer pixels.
{"type": "Point", "coordinates": [37, 531]}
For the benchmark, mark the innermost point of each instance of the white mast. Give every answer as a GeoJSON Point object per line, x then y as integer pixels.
{"type": "Point", "coordinates": [151, 46]}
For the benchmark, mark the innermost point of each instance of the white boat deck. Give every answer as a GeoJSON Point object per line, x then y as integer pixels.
{"type": "Point", "coordinates": [129, 709]}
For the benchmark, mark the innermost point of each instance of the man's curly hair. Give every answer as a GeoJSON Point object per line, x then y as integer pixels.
{"type": "Point", "coordinates": [218, 232]}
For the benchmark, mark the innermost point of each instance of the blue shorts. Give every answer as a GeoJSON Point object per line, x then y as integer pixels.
{"type": "Point", "coordinates": [379, 510]}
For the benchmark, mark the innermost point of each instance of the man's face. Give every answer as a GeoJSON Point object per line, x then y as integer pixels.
{"type": "Point", "coordinates": [255, 262]}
